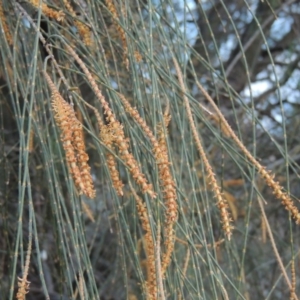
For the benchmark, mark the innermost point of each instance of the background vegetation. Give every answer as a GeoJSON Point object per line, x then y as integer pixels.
{"type": "Point", "coordinates": [157, 54]}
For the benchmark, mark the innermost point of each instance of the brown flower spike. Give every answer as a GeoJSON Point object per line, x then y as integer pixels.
{"type": "Point", "coordinates": [107, 139]}
{"type": "Point", "coordinates": [151, 285]}
{"type": "Point", "coordinates": [23, 283]}
{"type": "Point", "coordinates": [73, 142]}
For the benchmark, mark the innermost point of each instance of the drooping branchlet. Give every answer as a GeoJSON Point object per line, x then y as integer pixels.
{"type": "Point", "coordinates": [221, 201]}
{"type": "Point", "coordinates": [266, 175]}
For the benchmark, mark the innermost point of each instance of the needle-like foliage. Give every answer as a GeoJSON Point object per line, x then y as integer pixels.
{"type": "Point", "coordinates": [178, 119]}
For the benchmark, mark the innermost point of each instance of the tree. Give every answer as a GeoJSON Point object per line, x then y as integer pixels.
{"type": "Point", "coordinates": [178, 118]}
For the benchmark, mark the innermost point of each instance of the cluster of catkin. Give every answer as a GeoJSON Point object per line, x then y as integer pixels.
{"type": "Point", "coordinates": [83, 30]}
{"type": "Point", "coordinates": [266, 175]}
{"type": "Point", "coordinates": [47, 11]}
{"type": "Point", "coordinates": [111, 7]}
{"type": "Point", "coordinates": [167, 183]}
{"type": "Point", "coordinates": [116, 131]}
{"type": "Point", "coordinates": [73, 141]}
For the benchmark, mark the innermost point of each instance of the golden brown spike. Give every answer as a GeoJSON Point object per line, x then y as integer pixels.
{"type": "Point", "coordinates": [293, 284]}
{"type": "Point", "coordinates": [169, 189]}
{"type": "Point", "coordinates": [115, 176]}
{"type": "Point", "coordinates": [107, 139]}
{"type": "Point", "coordinates": [23, 283]}
{"type": "Point", "coordinates": [23, 288]}
{"type": "Point", "coordinates": [85, 32]}
{"type": "Point", "coordinates": [151, 284]}
{"type": "Point", "coordinates": [73, 142]}
{"type": "Point", "coordinates": [138, 56]}
{"type": "Point", "coordinates": [277, 189]}
{"type": "Point", "coordinates": [62, 117]}
{"type": "Point", "coordinates": [82, 157]}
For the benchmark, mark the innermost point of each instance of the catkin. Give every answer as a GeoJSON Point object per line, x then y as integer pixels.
{"type": "Point", "coordinates": [62, 117]}
{"type": "Point", "coordinates": [277, 188]}
{"type": "Point", "coordinates": [151, 284]}
{"type": "Point", "coordinates": [23, 288]}
{"type": "Point", "coordinates": [107, 139]}
{"type": "Point", "coordinates": [170, 197]}
{"type": "Point", "coordinates": [114, 173]}
{"type": "Point", "coordinates": [293, 284]}
{"type": "Point", "coordinates": [23, 283]}
{"type": "Point", "coordinates": [47, 11]}
{"type": "Point", "coordinates": [82, 157]}
{"type": "Point", "coordinates": [112, 8]}
{"type": "Point", "coordinates": [73, 142]}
